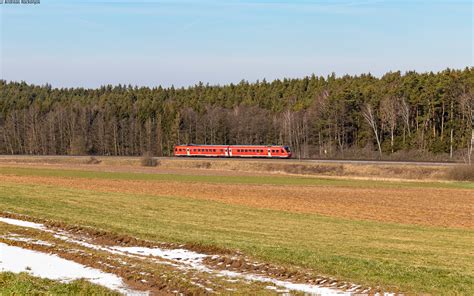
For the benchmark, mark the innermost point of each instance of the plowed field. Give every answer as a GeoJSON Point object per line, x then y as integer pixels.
{"type": "Point", "coordinates": [423, 206]}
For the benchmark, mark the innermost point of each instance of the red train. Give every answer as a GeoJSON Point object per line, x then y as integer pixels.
{"type": "Point", "coordinates": [233, 151]}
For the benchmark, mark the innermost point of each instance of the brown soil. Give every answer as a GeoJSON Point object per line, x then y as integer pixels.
{"type": "Point", "coordinates": [422, 206]}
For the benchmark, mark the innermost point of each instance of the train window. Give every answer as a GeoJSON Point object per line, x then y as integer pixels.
{"type": "Point", "coordinates": [273, 151]}
{"type": "Point", "coordinates": [213, 150]}
{"type": "Point", "coordinates": [222, 150]}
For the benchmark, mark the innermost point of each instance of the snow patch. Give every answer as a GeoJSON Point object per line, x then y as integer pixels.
{"type": "Point", "coordinates": [26, 240]}
{"type": "Point", "coordinates": [306, 288]}
{"type": "Point", "coordinates": [15, 259]}
{"type": "Point", "coordinates": [22, 223]}
{"type": "Point", "coordinates": [170, 254]}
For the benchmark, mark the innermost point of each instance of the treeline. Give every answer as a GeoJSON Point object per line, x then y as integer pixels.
{"type": "Point", "coordinates": [330, 116]}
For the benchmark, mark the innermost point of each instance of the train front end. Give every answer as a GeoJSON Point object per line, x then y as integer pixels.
{"type": "Point", "coordinates": [288, 151]}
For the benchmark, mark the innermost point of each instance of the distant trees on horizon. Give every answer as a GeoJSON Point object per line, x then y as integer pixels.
{"type": "Point", "coordinates": [397, 115]}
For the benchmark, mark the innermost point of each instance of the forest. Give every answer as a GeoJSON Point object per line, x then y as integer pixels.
{"type": "Point", "coordinates": [396, 116]}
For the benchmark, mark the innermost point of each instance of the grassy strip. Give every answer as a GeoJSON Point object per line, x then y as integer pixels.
{"type": "Point", "coordinates": [25, 284]}
{"type": "Point", "coordinates": [273, 180]}
{"type": "Point", "coordinates": [411, 258]}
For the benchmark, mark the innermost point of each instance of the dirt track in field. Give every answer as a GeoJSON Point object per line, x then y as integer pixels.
{"type": "Point", "coordinates": [160, 275]}
{"type": "Point", "coordinates": [422, 206]}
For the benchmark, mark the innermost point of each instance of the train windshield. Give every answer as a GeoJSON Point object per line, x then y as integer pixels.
{"type": "Point", "coordinates": [287, 149]}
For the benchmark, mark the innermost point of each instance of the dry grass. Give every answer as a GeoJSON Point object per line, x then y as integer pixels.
{"type": "Point", "coordinates": [262, 166]}
{"type": "Point", "coordinates": [461, 173]}
{"type": "Point", "coordinates": [93, 160]}
{"type": "Point", "coordinates": [395, 171]}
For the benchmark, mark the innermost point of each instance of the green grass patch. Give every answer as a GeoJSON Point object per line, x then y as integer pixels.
{"type": "Point", "coordinates": [25, 284]}
{"type": "Point", "coordinates": [271, 180]}
{"type": "Point", "coordinates": [411, 258]}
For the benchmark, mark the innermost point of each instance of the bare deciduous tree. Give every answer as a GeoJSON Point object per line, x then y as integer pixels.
{"type": "Point", "coordinates": [369, 116]}
{"type": "Point", "coordinates": [389, 112]}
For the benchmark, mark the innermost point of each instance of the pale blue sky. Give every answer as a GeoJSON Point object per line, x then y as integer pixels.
{"type": "Point", "coordinates": [181, 42]}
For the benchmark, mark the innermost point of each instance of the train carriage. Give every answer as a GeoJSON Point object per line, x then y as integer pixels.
{"type": "Point", "coordinates": [234, 151]}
